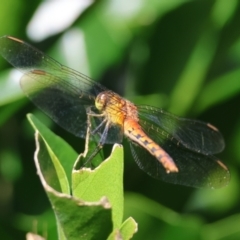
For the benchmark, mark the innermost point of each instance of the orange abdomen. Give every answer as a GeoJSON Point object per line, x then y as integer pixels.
{"type": "Point", "coordinates": [133, 130]}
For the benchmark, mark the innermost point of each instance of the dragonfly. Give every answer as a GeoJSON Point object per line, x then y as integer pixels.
{"type": "Point", "coordinates": [167, 147]}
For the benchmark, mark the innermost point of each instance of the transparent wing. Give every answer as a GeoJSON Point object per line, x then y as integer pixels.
{"type": "Point", "coordinates": [27, 58]}
{"type": "Point", "coordinates": [195, 135]}
{"type": "Point", "coordinates": [195, 169]}
{"type": "Point", "coordinates": [61, 92]}
{"type": "Point", "coordinates": [65, 107]}
{"type": "Point", "coordinates": [190, 144]}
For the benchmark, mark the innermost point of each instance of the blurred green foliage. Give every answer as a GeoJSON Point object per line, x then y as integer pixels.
{"type": "Point", "coordinates": [183, 56]}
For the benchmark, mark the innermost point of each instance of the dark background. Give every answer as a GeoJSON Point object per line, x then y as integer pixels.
{"type": "Point", "coordinates": [183, 56]}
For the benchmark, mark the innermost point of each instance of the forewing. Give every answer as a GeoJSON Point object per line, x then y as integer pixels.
{"type": "Point", "coordinates": [61, 92]}
{"type": "Point", "coordinates": [27, 58]}
{"type": "Point", "coordinates": [63, 105]}
{"type": "Point", "coordinates": [195, 135]}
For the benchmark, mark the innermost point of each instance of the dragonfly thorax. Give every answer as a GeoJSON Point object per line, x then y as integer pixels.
{"type": "Point", "coordinates": [112, 106]}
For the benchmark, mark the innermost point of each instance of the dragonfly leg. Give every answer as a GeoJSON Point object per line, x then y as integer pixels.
{"type": "Point", "coordinates": [99, 126]}
{"type": "Point", "coordinates": [89, 126]}
{"type": "Point", "coordinates": [87, 135]}
{"type": "Point", "coordinates": [100, 144]}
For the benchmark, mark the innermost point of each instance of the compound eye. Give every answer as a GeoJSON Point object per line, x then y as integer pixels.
{"type": "Point", "coordinates": [100, 101]}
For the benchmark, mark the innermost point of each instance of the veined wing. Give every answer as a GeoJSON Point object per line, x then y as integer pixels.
{"type": "Point", "coordinates": [194, 135]}
{"type": "Point", "coordinates": [63, 105]}
{"type": "Point", "coordinates": [61, 92]}
{"type": "Point", "coordinates": [27, 59]}
{"type": "Point", "coordinates": [195, 169]}
{"type": "Point", "coordinates": [189, 143]}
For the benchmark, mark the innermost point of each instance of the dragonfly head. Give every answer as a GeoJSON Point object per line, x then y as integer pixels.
{"type": "Point", "coordinates": [101, 101]}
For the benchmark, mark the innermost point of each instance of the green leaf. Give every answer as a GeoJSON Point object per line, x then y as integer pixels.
{"type": "Point", "coordinates": [91, 189]}
{"type": "Point", "coordinates": [76, 219]}
{"type": "Point", "coordinates": [126, 231]}
{"type": "Point", "coordinates": [128, 228]}
{"type": "Point", "coordinates": [62, 154]}
{"type": "Point", "coordinates": [105, 180]}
